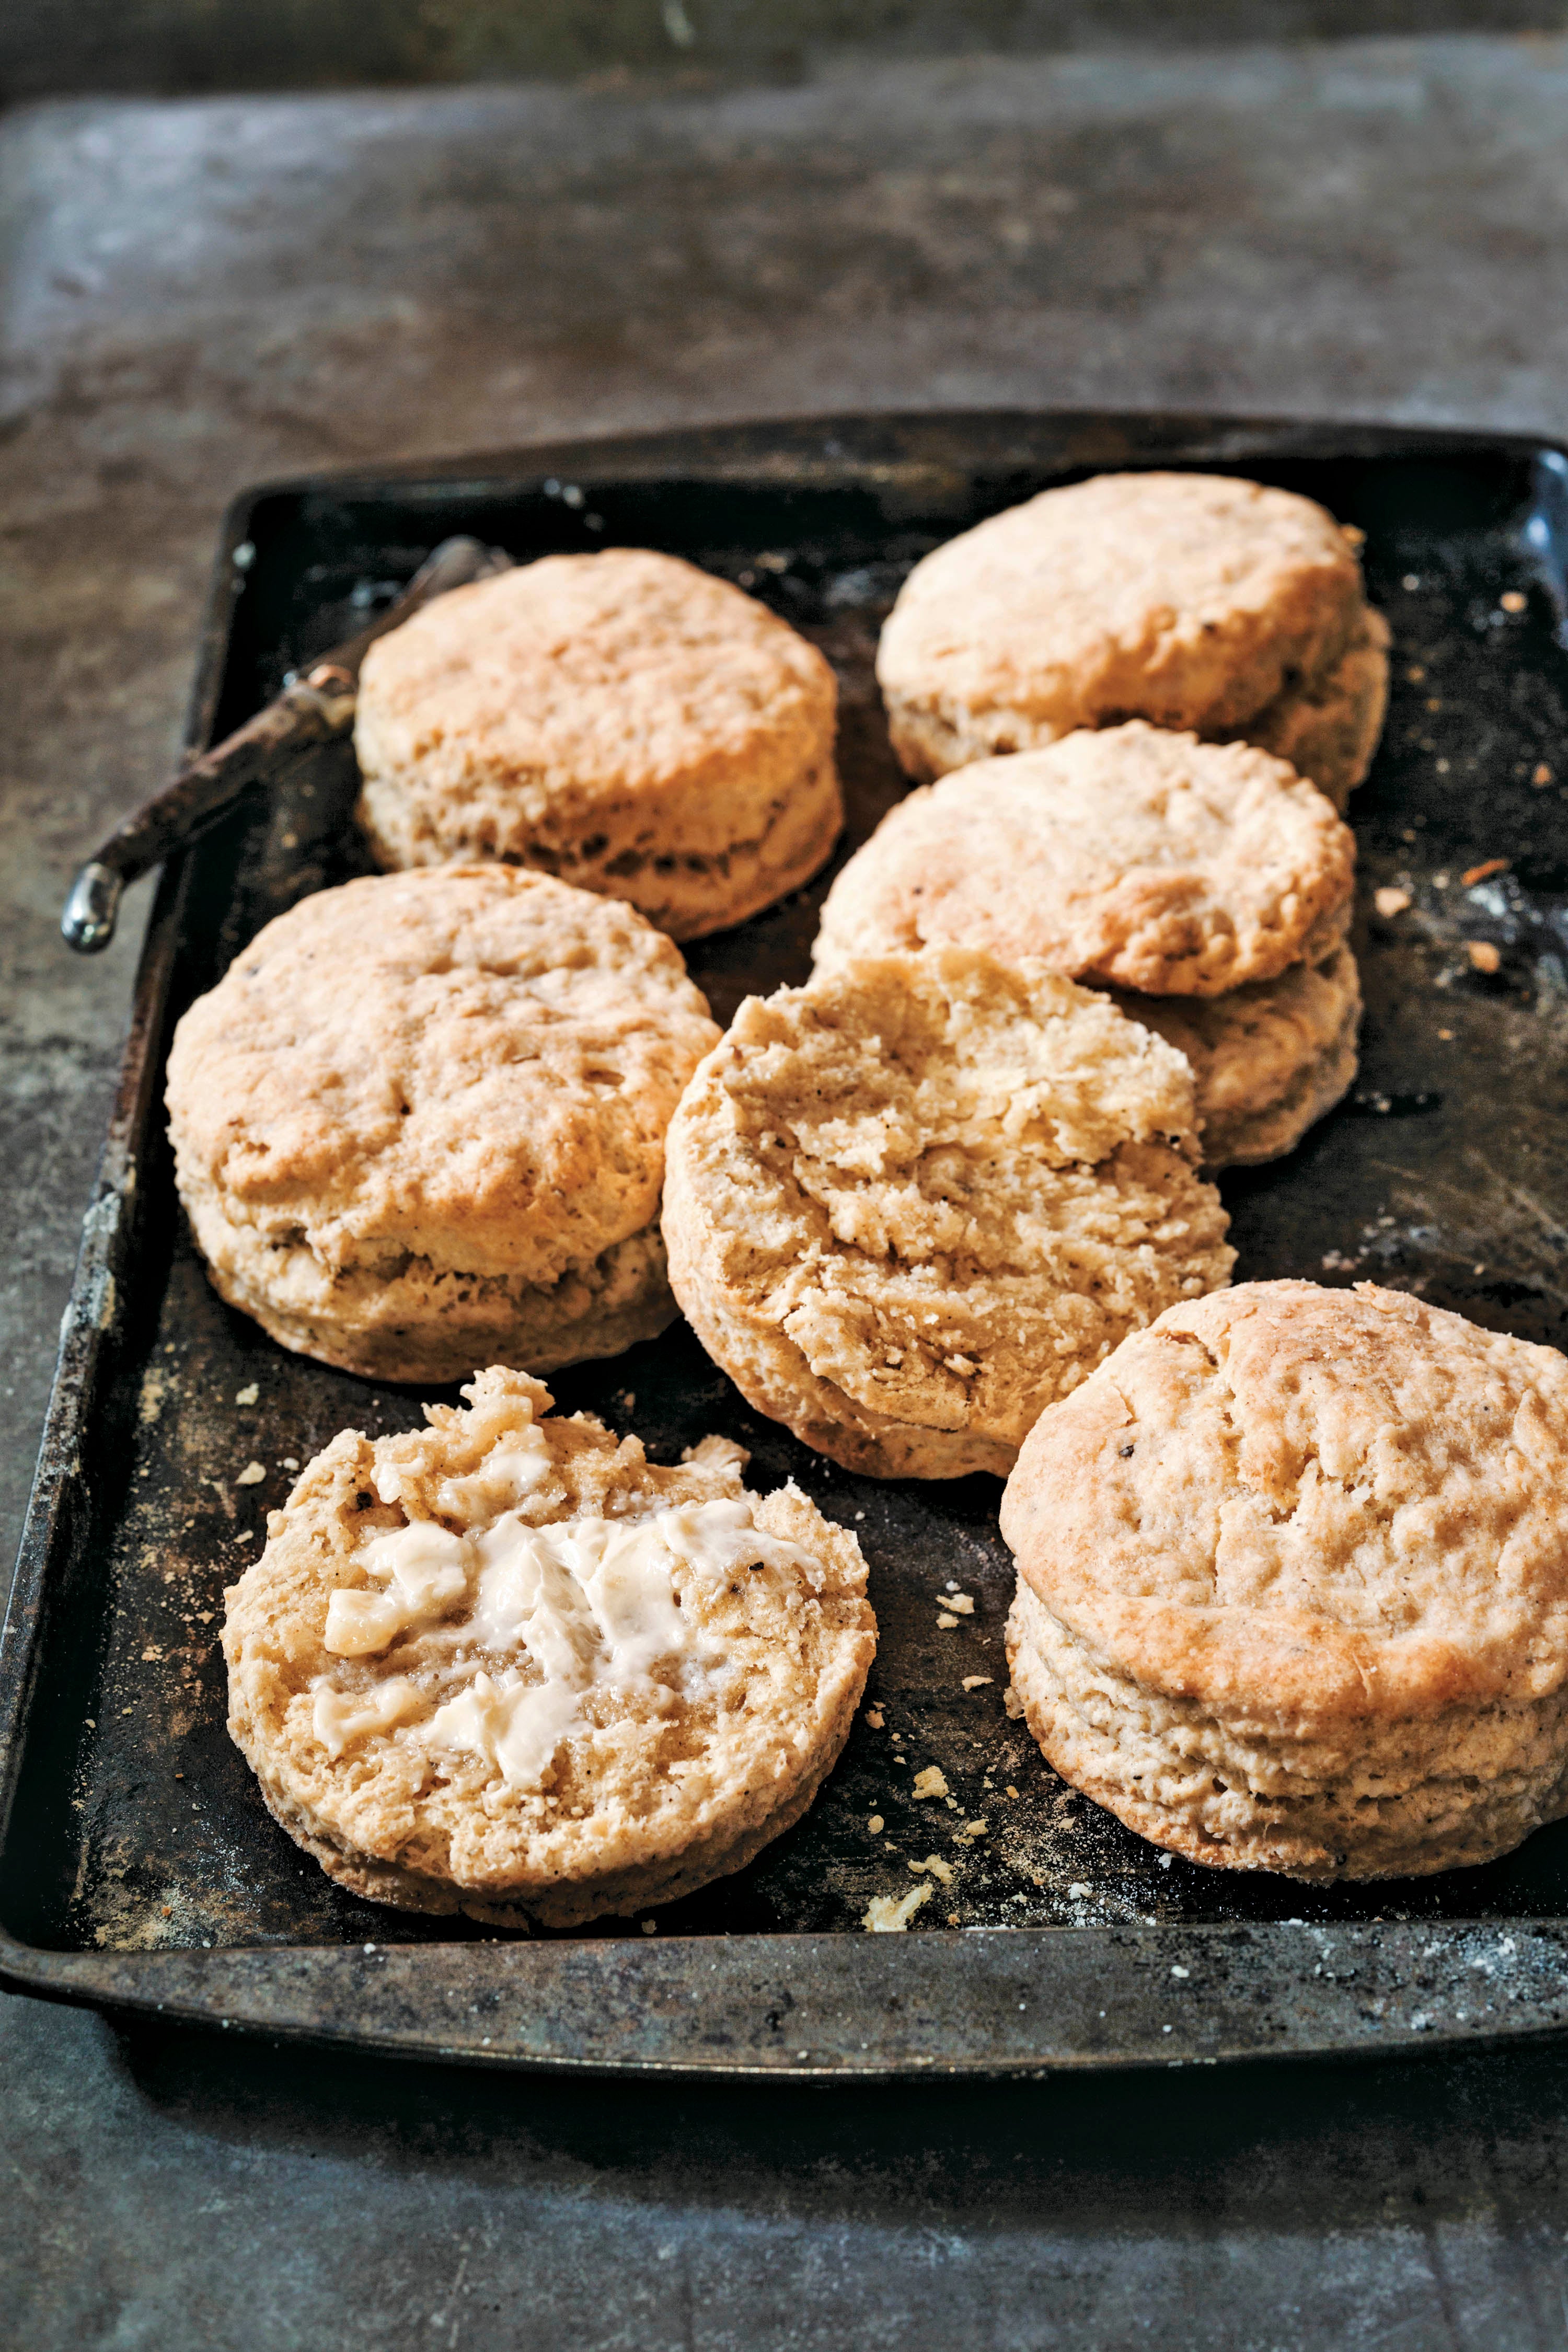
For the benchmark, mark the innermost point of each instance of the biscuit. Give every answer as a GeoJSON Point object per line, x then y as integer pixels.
{"type": "Point", "coordinates": [1191, 600]}
{"type": "Point", "coordinates": [1125, 853]}
{"type": "Point", "coordinates": [419, 1124]}
{"type": "Point", "coordinates": [622, 721]}
{"type": "Point", "coordinates": [910, 1204]}
{"type": "Point", "coordinates": [1329, 728]}
{"type": "Point", "coordinates": [508, 1666]}
{"type": "Point", "coordinates": [1268, 1061]}
{"type": "Point", "coordinates": [1291, 1590]}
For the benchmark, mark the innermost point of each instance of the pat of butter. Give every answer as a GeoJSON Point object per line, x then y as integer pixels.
{"type": "Point", "coordinates": [338, 1716]}
{"type": "Point", "coordinates": [424, 1569]}
{"type": "Point", "coordinates": [515, 1726]}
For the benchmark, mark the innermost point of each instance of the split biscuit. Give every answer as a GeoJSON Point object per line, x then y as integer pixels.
{"type": "Point", "coordinates": [1268, 1061]}
{"type": "Point", "coordinates": [1293, 1584]}
{"type": "Point", "coordinates": [909, 1205]}
{"type": "Point", "coordinates": [419, 1124]}
{"type": "Point", "coordinates": [1124, 855]}
{"type": "Point", "coordinates": [508, 1666]}
{"type": "Point", "coordinates": [622, 721]}
{"type": "Point", "coordinates": [1193, 600]}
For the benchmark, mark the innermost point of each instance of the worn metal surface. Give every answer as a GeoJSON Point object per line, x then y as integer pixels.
{"type": "Point", "coordinates": [133, 1829]}
{"type": "Point", "coordinates": [185, 45]}
{"type": "Point", "coordinates": [1379, 227]}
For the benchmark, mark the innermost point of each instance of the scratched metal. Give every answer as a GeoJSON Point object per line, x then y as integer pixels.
{"type": "Point", "coordinates": [135, 1845]}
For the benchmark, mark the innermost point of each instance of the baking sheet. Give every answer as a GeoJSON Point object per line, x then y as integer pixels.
{"type": "Point", "coordinates": [138, 1864]}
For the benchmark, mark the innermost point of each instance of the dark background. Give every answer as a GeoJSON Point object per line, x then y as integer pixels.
{"type": "Point", "coordinates": [239, 241]}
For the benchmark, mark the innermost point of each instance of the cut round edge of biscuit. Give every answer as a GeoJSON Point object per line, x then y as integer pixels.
{"type": "Point", "coordinates": [506, 1666]}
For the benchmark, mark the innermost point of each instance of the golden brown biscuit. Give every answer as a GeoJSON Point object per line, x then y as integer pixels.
{"type": "Point", "coordinates": [910, 1204]}
{"type": "Point", "coordinates": [1124, 854]}
{"type": "Point", "coordinates": [419, 1124]}
{"type": "Point", "coordinates": [1268, 1061]}
{"type": "Point", "coordinates": [623, 721]}
{"type": "Point", "coordinates": [508, 1666]}
{"type": "Point", "coordinates": [1292, 1590]}
{"type": "Point", "coordinates": [1191, 600]}
{"type": "Point", "coordinates": [1328, 728]}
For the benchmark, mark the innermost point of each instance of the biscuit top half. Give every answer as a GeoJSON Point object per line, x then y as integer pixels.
{"type": "Point", "coordinates": [473, 1064]}
{"type": "Point", "coordinates": [1308, 1509]}
{"type": "Point", "coordinates": [579, 677]}
{"type": "Point", "coordinates": [1124, 854]}
{"type": "Point", "coordinates": [1189, 599]}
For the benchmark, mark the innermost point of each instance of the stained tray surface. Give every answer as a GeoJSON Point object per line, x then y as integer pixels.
{"type": "Point", "coordinates": [135, 1829]}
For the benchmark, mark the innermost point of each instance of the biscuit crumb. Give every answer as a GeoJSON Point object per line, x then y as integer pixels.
{"type": "Point", "coordinates": [973, 1830]}
{"type": "Point", "coordinates": [934, 1863]}
{"type": "Point", "coordinates": [875, 1825]}
{"type": "Point", "coordinates": [1416, 674]}
{"type": "Point", "coordinates": [874, 1717]}
{"type": "Point", "coordinates": [252, 1474]}
{"type": "Point", "coordinates": [1013, 1705]}
{"type": "Point", "coordinates": [248, 1396]}
{"type": "Point", "coordinates": [960, 1604]}
{"type": "Point", "coordinates": [1512, 600]}
{"type": "Point", "coordinates": [1390, 900]}
{"type": "Point", "coordinates": [945, 1622]}
{"type": "Point", "coordinates": [1479, 873]}
{"type": "Point", "coordinates": [885, 1915]}
{"type": "Point", "coordinates": [975, 1682]}
{"type": "Point", "coordinates": [1011, 1791]}
{"type": "Point", "coordinates": [930, 1782]}
{"type": "Point", "coordinates": [1446, 1035]}
{"type": "Point", "coordinates": [1483, 955]}
{"type": "Point", "coordinates": [1542, 774]}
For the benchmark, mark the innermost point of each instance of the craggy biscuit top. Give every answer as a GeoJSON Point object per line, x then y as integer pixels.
{"type": "Point", "coordinates": [1193, 600]}
{"type": "Point", "coordinates": [473, 1064]}
{"type": "Point", "coordinates": [612, 675]}
{"type": "Point", "coordinates": [1123, 854]}
{"type": "Point", "coordinates": [510, 1651]}
{"type": "Point", "coordinates": [1305, 1510]}
{"type": "Point", "coordinates": [946, 1181]}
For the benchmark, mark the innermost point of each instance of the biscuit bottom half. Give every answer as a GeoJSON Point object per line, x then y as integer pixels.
{"type": "Point", "coordinates": [1397, 1799]}
{"type": "Point", "coordinates": [508, 1667]}
{"type": "Point", "coordinates": [622, 850]}
{"type": "Point", "coordinates": [727, 1847]}
{"type": "Point", "coordinates": [1327, 726]}
{"type": "Point", "coordinates": [403, 1318]}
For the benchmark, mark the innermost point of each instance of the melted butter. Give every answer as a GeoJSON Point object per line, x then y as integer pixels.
{"type": "Point", "coordinates": [516, 1726]}
{"type": "Point", "coordinates": [501, 1481]}
{"type": "Point", "coordinates": [593, 1602]}
{"type": "Point", "coordinates": [424, 1569]}
{"type": "Point", "coordinates": [340, 1717]}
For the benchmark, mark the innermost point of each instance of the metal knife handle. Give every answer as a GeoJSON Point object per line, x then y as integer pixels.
{"type": "Point", "coordinates": [312, 709]}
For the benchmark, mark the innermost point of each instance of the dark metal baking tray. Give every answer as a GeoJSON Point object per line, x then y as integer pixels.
{"type": "Point", "coordinates": [138, 1869]}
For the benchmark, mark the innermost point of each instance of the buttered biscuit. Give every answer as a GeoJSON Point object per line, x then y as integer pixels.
{"type": "Point", "coordinates": [507, 1665]}
{"type": "Point", "coordinates": [1293, 1584]}
{"type": "Point", "coordinates": [1191, 600]}
{"type": "Point", "coordinates": [910, 1204]}
{"type": "Point", "coordinates": [623, 721]}
{"type": "Point", "coordinates": [419, 1124]}
{"type": "Point", "coordinates": [1123, 855]}
{"type": "Point", "coordinates": [1268, 1061]}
